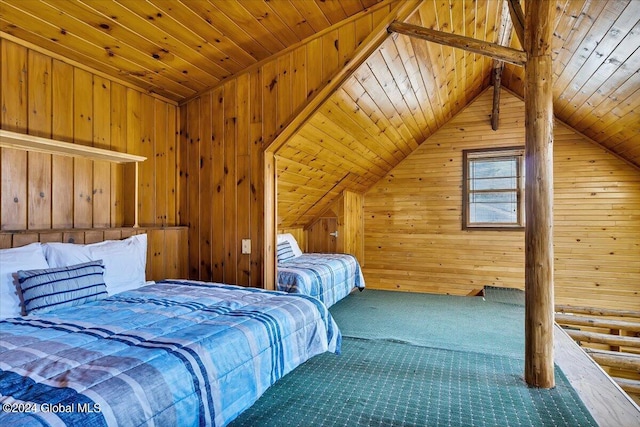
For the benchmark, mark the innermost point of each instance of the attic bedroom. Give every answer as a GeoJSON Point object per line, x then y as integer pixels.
{"type": "Point", "coordinates": [196, 136]}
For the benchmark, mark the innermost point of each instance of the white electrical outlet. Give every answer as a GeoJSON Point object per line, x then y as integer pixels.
{"type": "Point", "coordinates": [246, 246]}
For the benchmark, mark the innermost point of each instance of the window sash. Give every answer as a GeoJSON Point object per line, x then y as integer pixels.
{"type": "Point", "coordinates": [493, 189]}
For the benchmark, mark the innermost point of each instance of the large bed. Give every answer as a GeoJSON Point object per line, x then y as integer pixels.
{"type": "Point", "coordinates": [174, 352]}
{"type": "Point", "coordinates": [327, 277]}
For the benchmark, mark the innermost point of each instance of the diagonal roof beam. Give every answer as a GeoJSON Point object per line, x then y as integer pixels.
{"type": "Point", "coordinates": [504, 38]}
{"type": "Point", "coordinates": [517, 18]}
{"type": "Point", "coordinates": [379, 34]}
{"type": "Point", "coordinates": [493, 50]}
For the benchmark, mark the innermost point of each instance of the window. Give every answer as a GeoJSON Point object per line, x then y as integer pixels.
{"type": "Point", "coordinates": [493, 188]}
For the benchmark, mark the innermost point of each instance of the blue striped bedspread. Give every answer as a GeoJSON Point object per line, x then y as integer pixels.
{"type": "Point", "coordinates": [328, 277]}
{"type": "Point", "coordinates": [175, 353]}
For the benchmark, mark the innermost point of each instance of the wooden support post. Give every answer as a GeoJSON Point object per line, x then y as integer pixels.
{"type": "Point", "coordinates": [497, 83]}
{"type": "Point", "coordinates": [539, 304]}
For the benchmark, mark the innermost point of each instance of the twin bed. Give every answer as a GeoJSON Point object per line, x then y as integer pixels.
{"type": "Point", "coordinates": [96, 349]}
{"type": "Point", "coordinates": [327, 277]}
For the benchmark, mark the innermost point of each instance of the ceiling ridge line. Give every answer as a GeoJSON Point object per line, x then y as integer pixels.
{"type": "Point", "coordinates": [373, 41]}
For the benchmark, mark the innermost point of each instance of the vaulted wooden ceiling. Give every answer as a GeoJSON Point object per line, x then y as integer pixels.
{"type": "Point", "coordinates": [396, 99]}
{"type": "Point", "coordinates": [408, 88]}
{"type": "Point", "coordinates": [596, 67]}
{"type": "Point", "coordinates": [399, 97]}
{"type": "Point", "coordinates": [170, 47]}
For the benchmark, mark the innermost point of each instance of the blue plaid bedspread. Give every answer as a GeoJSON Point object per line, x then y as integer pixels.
{"type": "Point", "coordinates": [328, 277]}
{"type": "Point", "coordinates": [176, 353]}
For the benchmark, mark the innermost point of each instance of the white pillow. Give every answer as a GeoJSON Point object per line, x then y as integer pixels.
{"type": "Point", "coordinates": [125, 261]}
{"type": "Point", "coordinates": [292, 241]}
{"type": "Point", "coordinates": [29, 257]}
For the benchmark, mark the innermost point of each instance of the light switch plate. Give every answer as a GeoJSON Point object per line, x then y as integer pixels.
{"type": "Point", "coordinates": [246, 246]}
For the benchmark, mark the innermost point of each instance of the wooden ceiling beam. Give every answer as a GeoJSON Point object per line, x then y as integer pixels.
{"type": "Point", "coordinates": [493, 50]}
{"type": "Point", "coordinates": [504, 38]}
{"type": "Point", "coordinates": [517, 18]}
{"type": "Point", "coordinates": [379, 34]}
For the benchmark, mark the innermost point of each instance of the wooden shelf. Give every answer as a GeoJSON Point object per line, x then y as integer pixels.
{"type": "Point", "coordinates": [21, 141]}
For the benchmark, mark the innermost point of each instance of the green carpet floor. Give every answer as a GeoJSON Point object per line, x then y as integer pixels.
{"type": "Point", "coordinates": [504, 295]}
{"type": "Point", "coordinates": [442, 321]}
{"type": "Point", "coordinates": [391, 377]}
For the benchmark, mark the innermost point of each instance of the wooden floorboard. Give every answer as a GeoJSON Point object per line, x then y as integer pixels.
{"type": "Point", "coordinates": [605, 400]}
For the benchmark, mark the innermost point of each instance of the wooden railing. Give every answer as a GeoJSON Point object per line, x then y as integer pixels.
{"type": "Point", "coordinates": [611, 337]}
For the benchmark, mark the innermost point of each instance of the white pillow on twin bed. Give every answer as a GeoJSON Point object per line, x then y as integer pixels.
{"type": "Point", "coordinates": [292, 241]}
{"type": "Point", "coordinates": [125, 261]}
{"type": "Point", "coordinates": [29, 257]}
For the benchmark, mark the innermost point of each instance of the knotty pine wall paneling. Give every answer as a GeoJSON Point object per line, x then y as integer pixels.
{"type": "Point", "coordinates": [413, 235]}
{"type": "Point", "coordinates": [207, 181]}
{"type": "Point", "coordinates": [82, 134]}
{"type": "Point", "coordinates": [348, 214]}
{"type": "Point", "coordinates": [62, 166]}
{"type": "Point", "coordinates": [352, 225]}
{"type": "Point", "coordinates": [232, 123]}
{"type": "Point", "coordinates": [39, 119]}
{"type": "Point", "coordinates": [101, 192]}
{"type": "Point", "coordinates": [13, 163]}
{"type": "Point", "coordinates": [47, 97]}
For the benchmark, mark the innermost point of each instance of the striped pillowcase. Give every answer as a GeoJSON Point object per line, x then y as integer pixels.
{"type": "Point", "coordinates": [285, 253]}
{"type": "Point", "coordinates": [52, 288]}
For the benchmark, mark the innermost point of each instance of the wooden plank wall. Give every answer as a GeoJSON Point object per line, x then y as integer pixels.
{"type": "Point", "coordinates": [166, 246]}
{"type": "Point", "coordinates": [319, 238]}
{"type": "Point", "coordinates": [47, 97]}
{"type": "Point", "coordinates": [413, 235]}
{"type": "Point", "coordinates": [223, 134]}
{"type": "Point", "coordinates": [351, 225]}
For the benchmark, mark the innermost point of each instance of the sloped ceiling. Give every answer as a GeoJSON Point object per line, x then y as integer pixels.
{"type": "Point", "coordinates": [409, 88]}
{"type": "Point", "coordinates": [596, 72]}
{"type": "Point", "coordinates": [401, 95]}
{"type": "Point", "coordinates": [169, 47]}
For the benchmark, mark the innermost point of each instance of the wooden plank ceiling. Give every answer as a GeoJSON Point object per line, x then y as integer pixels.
{"type": "Point", "coordinates": [400, 96]}
{"type": "Point", "coordinates": [596, 67]}
{"type": "Point", "coordinates": [169, 47]}
{"type": "Point", "coordinates": [409, 88]}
